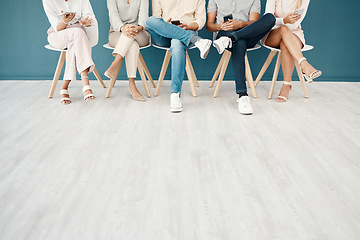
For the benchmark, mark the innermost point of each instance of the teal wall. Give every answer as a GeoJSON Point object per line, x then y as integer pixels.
{"type": "Point", "coordinates": [333, 30]}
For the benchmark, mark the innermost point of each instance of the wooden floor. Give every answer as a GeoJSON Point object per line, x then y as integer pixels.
{"type": "Point", "coordinates": [119, 169]}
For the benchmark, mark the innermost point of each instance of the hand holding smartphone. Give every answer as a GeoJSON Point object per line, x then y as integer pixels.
{"type": "Point", "coordinates": [175, 22]}
{"type": "Point", "coordinates": [67, 13]}
{"type": "Point", "coordinates": [299, 11]}
{"type": "Point", "coordinates": [228, 17]}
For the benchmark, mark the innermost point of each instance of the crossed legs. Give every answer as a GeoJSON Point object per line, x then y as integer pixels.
{"type": "Point", "coordinates": [290, 46]}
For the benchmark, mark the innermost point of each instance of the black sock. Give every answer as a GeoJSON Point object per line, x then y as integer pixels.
{"type": "Point", "coordinates": [243, 94]}
{"type": "Point", "coordinates": [232, 38]}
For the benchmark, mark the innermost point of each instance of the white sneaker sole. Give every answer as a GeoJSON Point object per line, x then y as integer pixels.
{"type": "Point", "coordinates": [220, 51]}
{"type": "Point", "coordinates": [204, 55]}
{"type": "Point", "coordinates": [176, 110]}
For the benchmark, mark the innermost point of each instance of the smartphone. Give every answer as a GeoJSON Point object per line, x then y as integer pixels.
{"type": "Point", "coordinates": [67, 13]}
{"type": "Point", "coordinates": [175, 22]}
{"type": "Point", "coordinates": [228, 17]}
{"type": "Point", "coordinates": [299, 11]}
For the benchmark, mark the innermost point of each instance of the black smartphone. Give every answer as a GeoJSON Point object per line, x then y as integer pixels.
{"type": "Point", "coordinates": [228, 17]}
{"type": "Point", "coordinates": [175, 22]}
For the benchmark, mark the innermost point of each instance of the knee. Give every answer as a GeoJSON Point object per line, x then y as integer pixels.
{"type": "Point", "coordinates": [151, 21]}
{"type": "Point", "coordinates": [177, 47]}
{"type": "Point", "coordinates": [270, 19]}
{"type": "Point", "coordinates": [284, 29]}
{"type": "Point", "coordinates": [78, 32]}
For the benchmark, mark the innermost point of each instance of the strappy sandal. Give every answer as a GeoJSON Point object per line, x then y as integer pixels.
{"type": "Point", "coordinates": [63, 99]}
{"type": "Point", "coordinates": [87, 97]}
{"type": "Point", "coordinates": [313, 75]}
{"type": "Point", "coordinates": [284, 99]}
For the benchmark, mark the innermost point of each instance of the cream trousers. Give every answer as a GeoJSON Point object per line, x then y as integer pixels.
{"type": "Point", "coordinates": [129, 49]}
{"type": "Point", "coordinates": [78, 55]}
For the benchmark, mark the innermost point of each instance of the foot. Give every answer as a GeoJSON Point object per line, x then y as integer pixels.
{"type": "Point", "coordinates": [204, 46]}
{"type": "Point", "coordinates": [134, 92]}
{"type": "Point", "coordinates": [88, 94]}
{"type": "Point", "coordinates": [175, 103]}
{"type": "Point", "coordinates": [284, 92]}
{"type": "Point", "coordinates": [65, 98]}
{"type": "Point", "coordinates": [110, 72]}
{"type": "Point", "coordinates": [244, 105]}
{"type": "Point", "coordinates": [222, 43]}
{"type": "Point", "coordinates": [309, 71]}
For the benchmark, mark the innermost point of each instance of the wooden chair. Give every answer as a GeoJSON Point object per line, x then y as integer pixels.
{"type": "Point", "coordinates": [221, 70]}
{"type": "Point", "coordinates": [270, 57]}
{"type": "Point", "coordinates": [142, 68]}
{"type": "Point", "coordinates": [189, 71]}
{"type": "Point", "coordinates": [59, 68]}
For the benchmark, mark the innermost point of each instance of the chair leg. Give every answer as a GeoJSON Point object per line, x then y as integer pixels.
{"type": "Point", "coordinates": [302, 80]}
{"type": "Point", "coordinates": [97, 75]}
{"type": "Point", "coordinates": [265, 67]}
{"type": "Point", "coordinates": [147, 72]}
{"type": "Point", "coordinates": [217, 71]}
{"type": "Point", "coordinates": [275, 75]}
{"type": "Point", "coordinates": [196, 83]}
{"type": "Point", "coordinates": [112, 81]}
{"type": "Point", "coordinates": [163, 71]}
{"type": "Point", "coordinates": [190, 76]}
{"type": "Point", "coordinates": [143, 78]}
{"type": "Point", "coordinates": [249, 77]}
{"type": "Point", "coordinates": [222, 73]}
{"type": "Point", "coordinates": [57, 73]}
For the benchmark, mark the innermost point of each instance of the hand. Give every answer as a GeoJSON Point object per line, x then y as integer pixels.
{"type": "Point", "coordinates": [292, 18]}
{"type": "Point", "coordinates": [169, 20]}
{"type": "Point", "coordinates": [87, 22]}
{"type": "Point", "coordinates": [231, 25]}
{"type": "Point", "coordinates": [68, 17]}
{"type": "Point", "coordinates": [130, 30]}
{"type": "Point", "coordinates": [184, 26]}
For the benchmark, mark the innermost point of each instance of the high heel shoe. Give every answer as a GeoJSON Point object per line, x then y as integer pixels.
{"type": "Point", "coordinates": [313, 75]}
{"type": "Point", "coordinates": [140, 98]}
{"type": "Point", "coordinates": [63, 99]}
{"type": "Point", "coordinates": [284, 99]}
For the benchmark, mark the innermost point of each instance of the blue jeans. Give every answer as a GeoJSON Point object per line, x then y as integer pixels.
{"type": "Point", "coordinates": [246, 37]}
{"type": "Point", "coordinates": [164, 34]}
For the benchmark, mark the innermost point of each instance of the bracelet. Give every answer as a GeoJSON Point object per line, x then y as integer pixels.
{"type": "Point", "coordinates": [64, 22]}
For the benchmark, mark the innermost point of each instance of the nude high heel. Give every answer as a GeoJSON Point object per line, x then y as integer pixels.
{"type": "Point", "coordinates": [282, 98]}
{"type": "Point", "coordinates": [140, 98]}
{"type": "Point", "coordinates": [313, 75]}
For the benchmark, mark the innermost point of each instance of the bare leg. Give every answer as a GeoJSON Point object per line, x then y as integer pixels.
{"type": "Point", "coordinates": [292, 42]}
{"type": "Point", "coordinates": [287, 63]}
{"type": "Point", "coordinates": [115, 64]}
{"type": "Point", "coordinates": [85, 81]}
{"type": "Point", "coordinates": [132, 87]}
{"type": "Point", "coordinates": [65, 86]}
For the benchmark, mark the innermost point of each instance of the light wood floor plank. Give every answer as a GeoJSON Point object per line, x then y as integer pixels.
{"type": "Point", "coordinates": [119, 169]}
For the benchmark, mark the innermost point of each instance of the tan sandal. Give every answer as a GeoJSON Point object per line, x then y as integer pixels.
{"type": "Point", "coordinates": [313, 75]}
{"type": "Point", "coordinates": [283, 99]}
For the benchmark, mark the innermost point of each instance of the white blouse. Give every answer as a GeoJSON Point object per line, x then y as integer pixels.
{"type": "Point", "coordinates": [287, 6]}
{"type": "Point", "coordinates": [54, 8]}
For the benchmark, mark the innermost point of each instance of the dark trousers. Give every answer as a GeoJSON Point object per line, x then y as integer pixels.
{"type": "Point", "coordinates": [246, 37]}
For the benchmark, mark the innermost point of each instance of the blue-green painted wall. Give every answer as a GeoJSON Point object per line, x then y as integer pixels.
{"type": "Point", "coordinates": [332, 29]}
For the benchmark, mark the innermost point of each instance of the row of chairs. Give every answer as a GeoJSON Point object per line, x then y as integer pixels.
{"type": "Point", "coordinates": [193, 82]}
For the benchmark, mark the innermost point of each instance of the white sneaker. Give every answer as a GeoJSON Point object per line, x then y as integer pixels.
{"type": "Point", "coordinates": [175, 103]}
{"type": "Point", "coordinates": [222, 43]}
{"type": "Point", "coordinates": [204, 46]}
{"type": "Point", "coordinates": [244, 105]}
